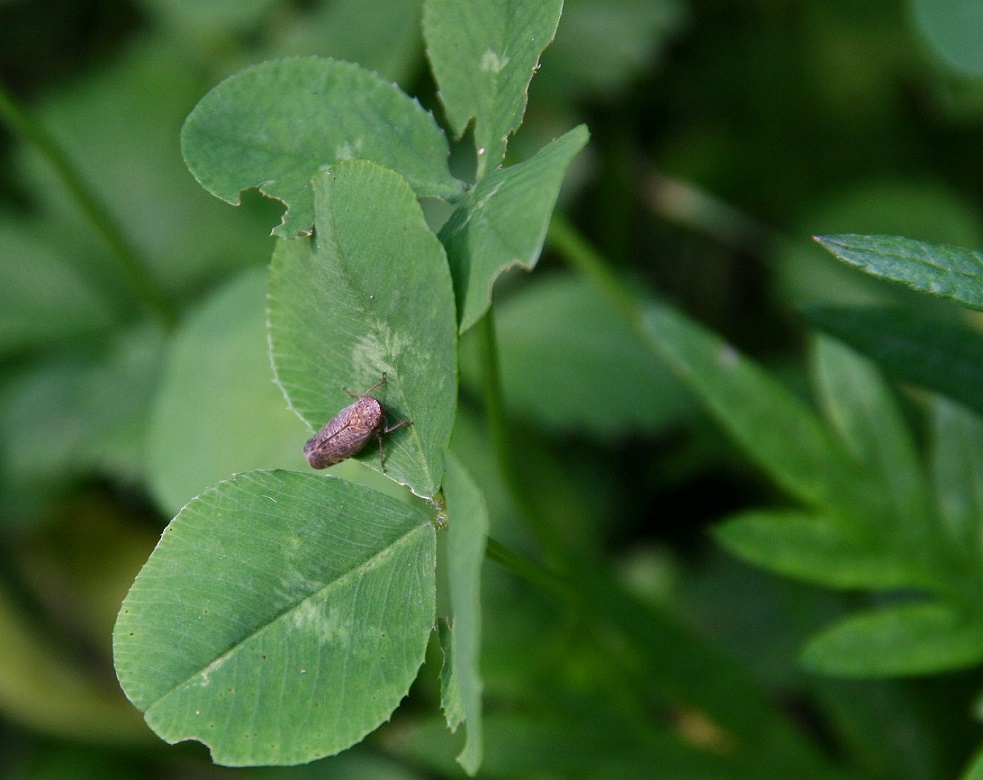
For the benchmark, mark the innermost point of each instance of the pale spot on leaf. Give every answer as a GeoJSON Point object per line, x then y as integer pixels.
{"type": "Point", "coordinates": [492, 62]}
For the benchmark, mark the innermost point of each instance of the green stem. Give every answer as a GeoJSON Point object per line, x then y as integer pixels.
{"type": "Point", "coordinates": [692, 670]}
{"type": "Point", "coordinates": [688, 205]}
{"type": "Point", "coordinates": [528, 569]}
{"type": "Point", "coordinates": [128, 260]}
{"type": "Point", "coordinates": [498, 427]}
{"type": "Point", "coordinates": [560, 557]}
{"type": "Point", "coordinates": [571, 246]}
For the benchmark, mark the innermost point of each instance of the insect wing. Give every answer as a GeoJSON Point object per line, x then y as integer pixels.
{"type": "Point", "coordinates": [344, 434]}
{"type": "Point", "coordinates": [326, 449]}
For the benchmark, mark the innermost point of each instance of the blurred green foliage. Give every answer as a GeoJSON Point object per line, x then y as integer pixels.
{"type": "Point", "coordinates": [723, 136]}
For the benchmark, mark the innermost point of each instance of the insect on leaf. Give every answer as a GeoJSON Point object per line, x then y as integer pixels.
{"type": "Point", "coordinates": [360, 299]}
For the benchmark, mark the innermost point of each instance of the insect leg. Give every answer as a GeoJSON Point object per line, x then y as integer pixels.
{"type": "Point", "coordinates": [377, 384]}
{"type": "Point", "coordinates": [386, 428]}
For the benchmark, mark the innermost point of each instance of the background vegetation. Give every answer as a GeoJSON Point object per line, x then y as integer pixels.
{"type": "Point", "coordinates": [135, 373]}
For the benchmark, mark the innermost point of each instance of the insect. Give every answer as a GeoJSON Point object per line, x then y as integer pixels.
{"type": "Point", "coordinates": [348, 431]}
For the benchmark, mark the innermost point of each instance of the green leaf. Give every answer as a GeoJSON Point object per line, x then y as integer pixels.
{"type": "Point", "coordinates": [281, 618]}
{"type": "Point", "coordinates": [483, 54]}
{"type": "Point", "coordinates": [912, 347]}
{"type": "Point", "coordinates": [774, 427]}
{"type": "Point", "coordinates": [883, 726]}
{"type": "Point", "coordinates": [467, 521]}
{"type": "Point", "coordinates": [945, 271]}
{"type": "Point", "coordinates": [628, 392]}
{"type": "Point", "coordinates": [369, 294]}
{"type": "Point", "coordinates": [816, 549]}
{"type": "Point", "coordinates": [975, 769]}
{"type": "Point", "coordinates": [238, 421]}
{"type": "Point", "coordinates": [957, 469]}
{"type": "Point", "coordinates": [383, 36]}
{"type": "Point", "coordinates": [273, 125]}
{"type": "Point", "coordinates": [863, 410]}
{"type": "Point", "coordinates": [950, 29]}
{"type": "Point", "coordinates": [885, 205]}
{"type": "Point", "coordinates": [911, 639]}
{"type": "Point", "coordinates": [503, 222]}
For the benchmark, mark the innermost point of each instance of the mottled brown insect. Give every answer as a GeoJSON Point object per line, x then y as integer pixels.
{"type": "Point", "coordinates": [348, 431]}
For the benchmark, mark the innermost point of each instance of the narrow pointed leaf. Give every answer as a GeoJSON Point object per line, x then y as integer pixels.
{"type": "Point", "coordinates": [467, 530]}
{"type": "Point", "coordinates": [503, 223]}
{"type": "Point", "coordinates": [912, 639]}
{"type": "Point", "coordinates": [937, 269]}
{"type": "Point", "coordinates": [774, 427]}
{"type": "Point", "coordinates": [369, 294]}
{"type": "Point", "coordinates": [483, 54]}
{"type": "Point", "coordinates": [912, 347]}
{"type": "Point", "coordinates": [815, 549]}
{"type": "Point", "coordinates": [281, 618]}
{"type": "Point", "coordinates": [273, 125]}
{"type": "Point", "coordinates": [862, 409]}
{"type": "Point", "coordinates": [957, 468]}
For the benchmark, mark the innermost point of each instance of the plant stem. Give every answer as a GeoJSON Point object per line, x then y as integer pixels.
{"type": "Point", "coordinates": [683, 665]}
{"type": "Point", "coordinates": [688, 205]}
{"type": "Point", "coordinates": [498, 427]}
{"type": "Point", "coordinates": [582, 257]}
{"type": "Point", "coordinates": [128, 261]}
{"type": "Point", "coordinates": [528, 569]}
{"type": "Point", "coordinates": [561, 558]}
